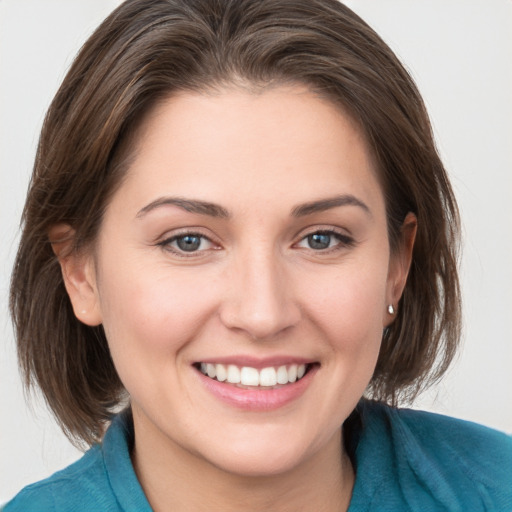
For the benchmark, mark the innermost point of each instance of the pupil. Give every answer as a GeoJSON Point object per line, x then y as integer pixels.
{"type": "Point", "coordinates": [189, 243]}
{"type": "Point", "coordinates": [319, 241]}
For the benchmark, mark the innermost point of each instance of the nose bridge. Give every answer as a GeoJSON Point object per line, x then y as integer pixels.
{"type": "Point", "coordinates": [260, 300]}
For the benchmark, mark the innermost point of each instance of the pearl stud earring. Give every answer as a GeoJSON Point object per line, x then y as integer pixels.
{"type": "Point", "coordinates": [391, 309]}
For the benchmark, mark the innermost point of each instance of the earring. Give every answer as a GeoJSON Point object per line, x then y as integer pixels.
{"type": "Point", "coordinates": [391, 309]}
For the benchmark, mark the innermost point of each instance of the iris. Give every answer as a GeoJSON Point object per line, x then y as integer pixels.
{"type": "Point", "coordinates": [319, 240]}
{"type": "Point", "coordinates": [188, 243]}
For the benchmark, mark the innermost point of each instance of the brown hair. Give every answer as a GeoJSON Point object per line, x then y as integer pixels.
{"type": "Point", "coordinates": [148, 49]}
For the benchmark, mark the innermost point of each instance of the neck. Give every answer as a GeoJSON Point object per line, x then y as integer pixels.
{"type": "Point", "coordinates": [170, 481]}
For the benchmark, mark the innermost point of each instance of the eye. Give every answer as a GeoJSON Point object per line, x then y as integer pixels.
{"type": "Point", "coordinates": [187, 243]}
{"type": "Point", "coordinates": [323, 240]}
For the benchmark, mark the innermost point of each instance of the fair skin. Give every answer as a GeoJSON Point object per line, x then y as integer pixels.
{"type": "Point", "coordinates": [291, 266]}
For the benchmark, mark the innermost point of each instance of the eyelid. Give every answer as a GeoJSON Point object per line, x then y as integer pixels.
{"type": "Point", "coordinates": [323, 228]}
{"type": "Point", "coordinates": [345, 239]}
{"type": "Point", "coordinates": [165, 241]}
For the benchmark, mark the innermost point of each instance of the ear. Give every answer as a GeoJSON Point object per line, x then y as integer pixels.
{"type": "Point", "coordinates": [78, 273]}
{"type": "Point", "coordinates": [399, 265]}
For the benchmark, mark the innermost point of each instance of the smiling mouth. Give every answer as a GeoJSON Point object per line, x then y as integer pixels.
{"type": "Point", "coordinates": [243, 376]}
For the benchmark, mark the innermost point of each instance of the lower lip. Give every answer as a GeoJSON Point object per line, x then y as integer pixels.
{"type": "Point", "coordinates": [258, 399]}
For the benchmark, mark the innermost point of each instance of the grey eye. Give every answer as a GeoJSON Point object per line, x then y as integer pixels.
{"type": "Point", "coordinates": [319, 241]}
{"type": "Point", "coordinates": [188, 243]}
{"type": "Point", "coordinates": [323, 240]}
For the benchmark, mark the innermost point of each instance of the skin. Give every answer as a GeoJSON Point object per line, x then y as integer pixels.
{"type": "Point", "coordinates": [254, 287]}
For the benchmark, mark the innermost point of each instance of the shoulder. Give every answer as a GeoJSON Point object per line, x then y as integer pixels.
{"type": "Point", "coordinates": [103, 479]}
{"type": "Point", "coordinates": [468, 442]}
{"type": "Point", "coordinates": [80, 482]}
{"type": "Point", "coordinates": [456, 464]}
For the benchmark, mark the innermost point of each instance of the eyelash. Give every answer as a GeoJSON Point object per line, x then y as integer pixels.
{"type": "Point", "coordinates": [166, 244]}
{"type": "Point", "coordinates": [344, 242]}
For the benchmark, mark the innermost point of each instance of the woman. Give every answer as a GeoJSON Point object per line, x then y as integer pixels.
{"type": "Point", "coordinates": [238, 225]}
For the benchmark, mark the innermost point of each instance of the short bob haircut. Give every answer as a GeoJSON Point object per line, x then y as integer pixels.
{"type": "Point", "coordinates": [146, 51]}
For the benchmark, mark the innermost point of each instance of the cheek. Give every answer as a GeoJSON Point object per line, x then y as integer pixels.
{"type": "Point", "coordinates": [345, 309]}
{"type": "Point", "coordinates": [348, 305]}
{"type": "Point", "coordinates": [153, 314]}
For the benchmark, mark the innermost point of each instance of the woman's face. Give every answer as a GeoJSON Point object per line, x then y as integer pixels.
{"type": "Point", "coordinates": [248, 241]}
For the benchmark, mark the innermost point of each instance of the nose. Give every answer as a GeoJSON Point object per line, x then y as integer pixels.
{"type": "Point", "coordinates": [260, 300]}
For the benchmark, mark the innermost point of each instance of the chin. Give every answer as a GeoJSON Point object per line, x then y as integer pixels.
{"type": "Point", "coordinates": [262, 456]}
{"type": "Point", "coordinates": [259, 464]}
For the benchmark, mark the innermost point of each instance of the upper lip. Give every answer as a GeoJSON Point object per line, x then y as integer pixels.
{"type": "Point", "coordinates": [257, 362]}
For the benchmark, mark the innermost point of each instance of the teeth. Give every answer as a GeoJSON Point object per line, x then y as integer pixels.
{"type": "Point", "coordinates": [292, 373]}
{"type": "Point", "coordinates": [268, 377]}
{"type": "Point", "coordinates": [282, 375]}
{"type": "Point", "coordinates": [233, 374]}
{"type": "Point", "coordinates": [211, 370]}
{"type": "Point", "coordinates": [248, 376]}
{"type": "Point", "coordinates": [221, 372]}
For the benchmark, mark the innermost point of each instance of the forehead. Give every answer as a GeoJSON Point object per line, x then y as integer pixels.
{"type": "Point", "coordinates": [281, 144]}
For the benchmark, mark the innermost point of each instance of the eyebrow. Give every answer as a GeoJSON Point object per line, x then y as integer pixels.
{"type": "Point", "coordinates": [189, 205]}
{"type": "Point", "coordinates": [215, 210]}
{"type": "Point", "coordinates": [326, 204]}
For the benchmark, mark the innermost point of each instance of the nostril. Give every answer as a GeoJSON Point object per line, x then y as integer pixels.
{"type": "Point", "coordinates": [258, 322]}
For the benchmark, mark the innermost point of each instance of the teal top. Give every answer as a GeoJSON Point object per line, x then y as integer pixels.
{"type": "Point", "coordinates": [405, 460]}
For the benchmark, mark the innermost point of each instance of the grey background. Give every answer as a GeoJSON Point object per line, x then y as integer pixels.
{"type": "Point", "coordinates": [460, 53]}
